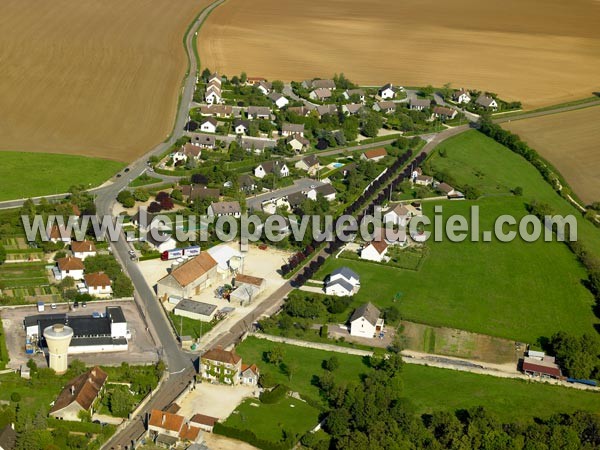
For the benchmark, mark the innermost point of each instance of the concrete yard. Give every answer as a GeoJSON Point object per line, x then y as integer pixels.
{"type": "Point", "coordinates": [141, 346]}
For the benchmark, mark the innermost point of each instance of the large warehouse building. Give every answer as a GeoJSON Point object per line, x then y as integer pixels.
{"type": "Point", "coordinates": [91, 333]}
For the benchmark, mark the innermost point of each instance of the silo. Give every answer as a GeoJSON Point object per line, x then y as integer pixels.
{"type": "Point", "coordinates": [58, 337]}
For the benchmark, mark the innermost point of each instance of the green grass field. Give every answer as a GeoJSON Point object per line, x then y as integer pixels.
{"type": "Point", "coordinates": [517, 290]}
{"type": "Point", "coordinates": [270, 422]}
{"type": "Point", "coordinates": [49, 173]}
{"type": "Point", "coordinates": [429, 388]}
{"type": "Point", "coordinates": [306, 364]}
{"type": "Point", "coordinates": [432, 389]}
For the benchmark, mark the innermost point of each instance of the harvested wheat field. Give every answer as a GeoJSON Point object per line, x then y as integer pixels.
{"type": "Point", "coordinates": [538, 52]}
{"type": "Point", "coordinates": [571, 142]}
{"type": "Point", "coordinates": [96, 78]}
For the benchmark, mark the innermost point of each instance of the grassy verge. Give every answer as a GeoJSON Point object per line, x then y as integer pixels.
{"type": "Point", "coordinates": [582, 101]}
{"type": "Point", "coordinates": [190, 327]}
{"type": "Point", "coordinates": [53, 173]}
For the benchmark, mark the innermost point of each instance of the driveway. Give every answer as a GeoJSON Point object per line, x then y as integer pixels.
{"type": "Point", "coordinates": [303, 184]}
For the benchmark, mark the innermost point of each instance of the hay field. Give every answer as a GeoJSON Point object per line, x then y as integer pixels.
{"type": "Point", "coordinates": [570, 141]}
{"type": "Point", "coordinates": [538, 52]}
{"type": "Point", "coordinates": [96, 78]}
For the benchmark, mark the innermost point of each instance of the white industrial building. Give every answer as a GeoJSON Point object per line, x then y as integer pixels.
{"type": "Point", "coordinates": [107, 332]}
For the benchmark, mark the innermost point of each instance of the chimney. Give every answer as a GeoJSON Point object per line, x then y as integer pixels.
{"type": "Point", "coordinates": [164, 417]}
{"type": "Point", "coordinates": [72, 390]}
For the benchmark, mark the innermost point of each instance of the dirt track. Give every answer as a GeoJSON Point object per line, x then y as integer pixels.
{"type": "Point", "coordinates": [541, 53]}
{"type": "Point", "coordinates": [91, 78]}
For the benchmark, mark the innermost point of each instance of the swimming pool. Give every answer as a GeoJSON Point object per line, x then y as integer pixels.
{"type": "Point", "coordinates": [337, 165]}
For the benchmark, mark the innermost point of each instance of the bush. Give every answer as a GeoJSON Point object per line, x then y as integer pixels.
{"type": "Point", "coordinates": [15, 397]}
{"type": "Point", "coordinates": [274, 395]}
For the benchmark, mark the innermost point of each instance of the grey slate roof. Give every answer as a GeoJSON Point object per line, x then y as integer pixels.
{"type": "Point", "coordinates": [368, 311]}
{"type": "Point", "coordinates": [346, 273]}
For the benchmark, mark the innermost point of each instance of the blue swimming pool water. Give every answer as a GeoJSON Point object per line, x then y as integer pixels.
{"type": "Point", "coordinates": [337, 165]}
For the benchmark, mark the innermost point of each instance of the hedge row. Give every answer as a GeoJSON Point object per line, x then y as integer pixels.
{"type": "Point", "coordinates": [247, 436]}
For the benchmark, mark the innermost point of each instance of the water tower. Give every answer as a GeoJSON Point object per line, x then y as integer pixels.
{"type": "Point", "coordinates": [58, 337]}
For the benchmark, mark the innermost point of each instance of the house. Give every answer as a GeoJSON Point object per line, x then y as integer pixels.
{"type": "Point", "coordinates": [309, 164]}
{"type": "Point", "coordinates": [215, 78]}
{"type": "Point", "coordinates": [301, 111]}
{"type": "Point", "coordinates": [8, 437]}
{"type": "Point", "coordinates": [246, 183]}
{"type": "Point", "coordinates": [58, 233]}
{"type": "Point", "coordinates": [385, 107]}
{"type": "Point", "coordinates": [446, 189]}
{"type": "Point", "coordinates": [218, 209]}
{"type": "Point", "coordinates": [258, 112]}
{"type": "Point", "coordinates": [203, 140]}
{"type": "Point", "coordinates": [366, 321]}
{"type": "Point", "coordinates": [169, 428]}
{"type": "Point", "coordinates": [423, 180]}
{"type": "Point", "coordinates": [545, 367]}
{"type": "Point", "coordinates": [375, 155]}
{"type": "Point", "coordinates": [249, 375]}
{"type": "Point", "coordinates": [220, 111]}
{"type": "Point", "coordinates": [80, 394]}
{"type": "Point", "coordinates": [399, 216]}
{"type": "Point", "coordinates": [83, 249]}
{"type": "Point", "coordinates": [194, 192]}
{"type": "Point", "coordinates": [241, 126]}
{"type": "Point", "coordinates": [253, 81]}
{"type": "Point", "coordinates": [323, 110]}
{"type": "Point", "coordinates": [374, 251]}
{"type": "Point", "coordinates": [420, 104]}
{"type": "Point", "coordinates": [70, 267]}
{"type": "Point", "coordinates": [326, 190]}
{"type": "Point", "coordinates": [386, 91]}
{"type": "Point", "coordinates": [292, 129]}
{"type": "Point", "coordinates": [163, 244]}
{"type": "Point", "coordinates": [220, 366]}
{"type": "Point", "coordinates": [295, 199]}
{"type": "Point", "coordinates": [98, 284]}
{"type": "Point", "coordinates": [279, 100]}
{"type": "Point", "coordinates": [205, 423]}
{"type": "Point", "coordinates": [391, 236]}
{"type": "Point", "coordinates": [320, 94]}
{"type": "Point", "coordinates": [352, 108]}
{"type": "Point", "coordinates": [178, 157]}
{"type": "Point", "coordinates": [189, 278]}
{"type": "Point", "coordinates": [192, 151]}
{"type": "Point", "coordinates": [441, 112]}
{"type": "Point", "coordinates": [204, 312]}
{"type": "Point", "coordinates": [264, 87]}
{"type": "Point", "coordinates": [487, 102]}
{"type": "Point", "coordinates": [461, 96]}
{"type": "Point", "coordinates": [355, 93]}
{"type": "Point", "coordinates": [342, 282]}
{"type": "Point", "coordinates": [318, 84]}
{"type": "Point", "coordinates": [213, 96]}
{"type": "Point", "coordinates": [298, 143]}
{"type": "Point", "coordinates": [209, 125]}
{"type": "Point", "coordinates": [257, 146]}
{"type": "Point", "coordinates": [277, 167]}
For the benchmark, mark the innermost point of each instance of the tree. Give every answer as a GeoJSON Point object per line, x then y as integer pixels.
{"type": "Point", "coordinates": [371, 125]}
{"type": "Point", "coordinates": [277, 85]}
{"type": "Point", "coordinates": [2, 254]}
{"type": "Point", "coordinates": [84, 416]}
{"type": "Point", "coordinates": [206, 75]}
{"type": "Point", "coordinates": [103, 263]}
{"type": "Point", "coordinates": [518, 191]}
{"type": "Point", "coordinates": [275, 355]}
{"type": "Point", "coordinates": [120, 402]}
{"type": "Point", "coordinates": [122, 286]}
{"type": "Point", "coordinates": [243, 78]}
{"type": "Point", "coordinates": [331, 364]}
{"type": "Point", "coordinates": [578, 355]}
{"type": "Point", "coordinates": [126, 199]}
{"type": "Point", "coordinates": [167, 203]}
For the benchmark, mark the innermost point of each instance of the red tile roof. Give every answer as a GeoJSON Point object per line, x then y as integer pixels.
{"type": "Point", "coordinates": [189, 433]}
{"type": "Point", "coordinates": [224, 356]}
{"type": "Point", "coordinates": [204, 420]}
{"type": "Point", "coordinates": [375, 153]}
{"type": "Point", "coordinates": [84, 389]}
{"type": "Point", "coordinates": [165, 420]}
{"type": "Point", "coordinates": [83, 246]}
{"type": "Point", "coordinates": [70, 263]}
{"type": "Point", "coordinates": [99, 279]}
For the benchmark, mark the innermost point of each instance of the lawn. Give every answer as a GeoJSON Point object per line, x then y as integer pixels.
{"type": "Point", "coordinates": [305, 362]}
{"type": "Point", "coordinates": [516, 290]}
{"type": "Point", "coordinates": [143, 180]}
{"type": "Point", "coordinates": [51, 173]}
{"type": "Point", "coordinates": [431, 389]}
{"type": "Point", "coordinates": [190, 327]}
{"type": "Point", "coordinates": [272, 421]}
{"type": "Point", "coordinates": [474, 159]}
{"type": "Point", "coordinates": [428, 388]}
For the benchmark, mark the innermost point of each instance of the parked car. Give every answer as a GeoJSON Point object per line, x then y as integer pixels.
{"type": "Point", "coordinates": [83, 304]}
{"type": "Point", "coordinates": [75, 305]}
{"type": "Point", "coordinates": [53, 306]}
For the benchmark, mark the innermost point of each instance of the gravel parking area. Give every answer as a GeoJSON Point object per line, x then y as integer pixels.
{"type": "Point", "coordinates": [214, 400]}
{"type": "Point", "coordinates": [141, 347]}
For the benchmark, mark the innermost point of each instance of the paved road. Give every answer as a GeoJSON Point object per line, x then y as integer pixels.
{"type": "Point", "coordinates": [179, 364]}
{"type": "Point", "coordinates": [303, 184]}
